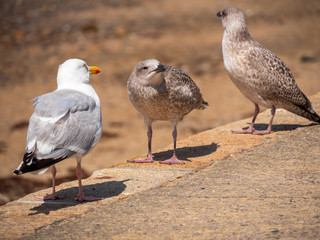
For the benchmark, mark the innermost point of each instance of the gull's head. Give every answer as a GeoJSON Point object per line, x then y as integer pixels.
{"type": "Point", "coordinates": [75, 71]}
{"type": "Point", "coordinates": [232, 18]}
{"type": "Point", "coordinates": [148, 72]}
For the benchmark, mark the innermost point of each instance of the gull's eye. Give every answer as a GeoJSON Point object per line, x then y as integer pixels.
{"type": "Point", "coordinates": [143, 69]}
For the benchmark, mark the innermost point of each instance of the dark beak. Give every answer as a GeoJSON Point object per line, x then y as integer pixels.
{"type": "Point", "coordinates": [219, 14]}
{"type": "Point", "coordinates": [160, 68]}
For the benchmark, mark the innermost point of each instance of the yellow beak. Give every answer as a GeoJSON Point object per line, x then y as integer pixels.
{"type": "Point", "coordinates": [94, 69]}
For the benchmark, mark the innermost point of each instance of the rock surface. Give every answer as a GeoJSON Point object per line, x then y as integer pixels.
{"type": "Point", "coordinates": [232, 186]}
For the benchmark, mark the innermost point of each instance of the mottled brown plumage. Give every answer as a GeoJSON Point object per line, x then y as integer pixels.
{"type": "Point", "coordinates": [162, 92]}
{"type": "Point", "coordinates": [258, 73]}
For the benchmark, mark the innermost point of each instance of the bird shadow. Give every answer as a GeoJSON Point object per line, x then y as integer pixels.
{"type": "Point", "coordinates": [280, 127]}
{"type": "Point", "coordinates": [100, 190]}
{"type": "Point", "coordinates": [185, 153]}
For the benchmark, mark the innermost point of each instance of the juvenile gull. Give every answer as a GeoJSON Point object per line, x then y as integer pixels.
{"type": "Point", "coordinates": [162, 92]}
{"type": "Point", "coordinates": [258, 73]}
{"type": "Point", "coordinates": [65, 122]}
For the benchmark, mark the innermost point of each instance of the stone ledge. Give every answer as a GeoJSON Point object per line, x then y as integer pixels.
{"type": "Point", "coordinates": [120, 182]}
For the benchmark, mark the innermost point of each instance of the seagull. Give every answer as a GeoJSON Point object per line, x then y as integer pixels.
{"type": "Point", "coordinates": [258, 73]}
{"type": "Point", "coordinates": [161, 92]}
{"type": "Point", "coordinates": [65, 122]}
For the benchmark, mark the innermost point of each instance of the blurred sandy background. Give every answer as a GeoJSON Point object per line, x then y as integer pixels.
{"type": "Point", "coordinates": [36, 36]}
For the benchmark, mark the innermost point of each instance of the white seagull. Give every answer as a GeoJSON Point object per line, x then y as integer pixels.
{"type": "Point", "coordinates": [65, 122]}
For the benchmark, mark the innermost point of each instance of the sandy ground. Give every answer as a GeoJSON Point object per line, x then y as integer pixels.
{"type": "Point", "coordinates": [36, 36]}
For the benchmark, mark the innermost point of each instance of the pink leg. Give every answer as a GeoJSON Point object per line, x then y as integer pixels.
{"type": "Point", "coordinates": [81, 197]}
{"type": "Point", "coordinates": [250, 129]}
{"type": "Point", "coordinates": [52, 196]}
{"type": "Point", "coordinates": [149, 158]}
{"type": "Point", "coordinates": [173, 159]}
{"type": "Point", "coordinates": [273, 112]}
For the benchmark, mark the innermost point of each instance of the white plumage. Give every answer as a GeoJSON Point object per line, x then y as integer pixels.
{"type": "Point", "coordinates": [65, 122]}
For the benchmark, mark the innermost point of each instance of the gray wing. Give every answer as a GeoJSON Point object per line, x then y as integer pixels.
{"type": "Point", "coordinates": [64, 122]}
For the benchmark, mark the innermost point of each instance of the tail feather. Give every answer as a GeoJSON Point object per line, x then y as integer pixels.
{"type": "Point", "coordinates": [306, 112]}
{"type": "Point", "coordinates": [301, 106]}
{"type": "Point", "coordinates": [203, 105]}
{"type": "Point", "coordinates": [315, 117]}
{"type": "Point", "coordinates": [31, 163]}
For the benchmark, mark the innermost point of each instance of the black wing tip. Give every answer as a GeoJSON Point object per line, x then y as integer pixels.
{"type": "Point", "coordinates": [36, 165]}
{"type": "Point", "coordinates": [17, 172]}
{"type": "Point", "coordinates": [23, 168]}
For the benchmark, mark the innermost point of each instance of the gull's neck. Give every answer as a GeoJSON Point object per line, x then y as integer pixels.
{"type": "Point", "coordinates": [236, 31]}
{"type": "Point", "coordinates": [84, 88]}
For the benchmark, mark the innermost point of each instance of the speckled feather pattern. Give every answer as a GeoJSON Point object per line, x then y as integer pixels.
{"type": "Point", "coordinates": [171, 100]}
{"type": "Point", "coordinates": [258, 73]}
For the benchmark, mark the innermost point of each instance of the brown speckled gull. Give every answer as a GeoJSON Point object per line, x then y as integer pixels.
{"type": "Point", "coordinates": [162, 92]}
{"type": "Point", "coordinates": [258, 73]}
